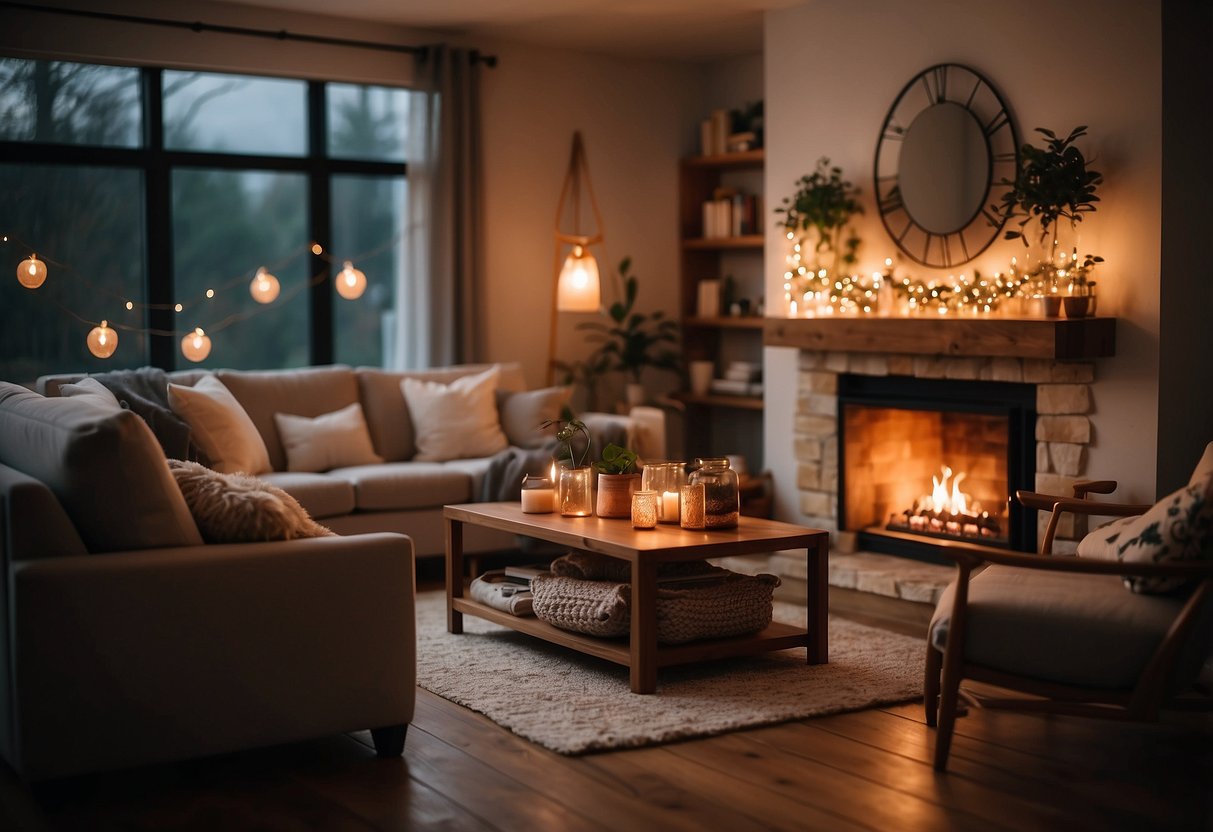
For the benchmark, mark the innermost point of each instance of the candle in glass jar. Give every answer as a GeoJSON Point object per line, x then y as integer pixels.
{"type": "Point", "coordinates": [669, 507]}
{"type": "Point", "coordinates": [538, 495]}
{"type": "Point", "coordinates": [644, 509]}
{"type": "Point", "coordinates": [692, 506]}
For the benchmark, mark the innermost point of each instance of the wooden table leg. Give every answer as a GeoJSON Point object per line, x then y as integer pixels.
{"type": "Point", "coordinates": [454, 574]}
{"type": "Point", "coordinates": [818, 600]}
{"type": "Point", "coordinates": [643, 661]}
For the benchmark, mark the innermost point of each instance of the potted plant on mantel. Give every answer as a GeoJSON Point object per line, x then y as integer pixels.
{"type": "Point", "coordinates": [633, 340]}
{"type": "Point", "coordinates": [818, 213]}
{"type": "Point", "coordinates": [1053, 185]}
{"type": "Point", "coordinates": [617, 479]}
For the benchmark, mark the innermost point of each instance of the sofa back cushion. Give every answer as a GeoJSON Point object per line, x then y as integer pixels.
{"type": "Point", "coordinates": [103, 465]}
{"type": "Point", "coordinates": [35, 524]}
{"type": "Point", "coordinates": [309, 392]}
{"type": "Point", "coordinates": [387, 415]}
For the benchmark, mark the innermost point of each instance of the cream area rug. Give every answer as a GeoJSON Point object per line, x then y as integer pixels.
{"type": "Point", "coordinates": [572, 703]}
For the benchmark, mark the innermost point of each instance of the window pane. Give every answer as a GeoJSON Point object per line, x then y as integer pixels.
{"type": "Point", "coordinates": [91, 221]}
{"type": "Point", "coordinates": [67, 103]}
{"type": "Point", "coordinates": [234, 114]}
{"type": "Point", "coordinates": [225, 225]}
{"type": "Point", "coordinates": [367, 122]}
{"type": "Point", "coordinates": [368, 219]}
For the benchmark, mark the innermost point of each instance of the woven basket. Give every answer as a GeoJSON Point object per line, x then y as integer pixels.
{"type": "Point", "coordinates": [686, 611]}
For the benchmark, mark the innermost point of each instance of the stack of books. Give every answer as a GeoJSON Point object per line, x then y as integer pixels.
{"type": "Point", "coordinates": [730, 213]}
{"type": "Point", "coordinates": [741, 378]}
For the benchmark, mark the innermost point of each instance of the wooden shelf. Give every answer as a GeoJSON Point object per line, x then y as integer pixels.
{"type": "Point", "coordinates": [745, 159]}
{"type": "Point", "coordinates": [750, 322]}
{"type": "Point", "coordinates": [719, 400]}
{"type": "Point", "coordinates": [755, 241]}
{"type": "Point", "coordinates": [1049, 338]}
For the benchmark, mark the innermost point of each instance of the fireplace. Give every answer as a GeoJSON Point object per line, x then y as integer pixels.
{"type": "Point", "coordinates": [926, 460]}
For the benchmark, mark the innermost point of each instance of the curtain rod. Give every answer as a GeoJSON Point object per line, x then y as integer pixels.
{"type": "Point", "coordinates": [198, 26]}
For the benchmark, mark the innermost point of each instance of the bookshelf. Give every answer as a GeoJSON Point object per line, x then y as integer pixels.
{"type": "Point", "coordinates": [718, 424]}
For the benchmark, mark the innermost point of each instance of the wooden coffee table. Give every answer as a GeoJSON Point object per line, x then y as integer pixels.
{"type": "Point", "coordinates": [644, 550]}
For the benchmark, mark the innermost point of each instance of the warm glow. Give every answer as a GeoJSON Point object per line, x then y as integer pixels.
{"type": "Point", "coordinates": [943, 500]}
{"type": "Point", "coordinates": [32, 272]}
{"type": "Point", "coordinates": [577, 290]}
{"type": "Point", "coordinates": [317, 248]}
{"type": "Point", "coordinates": [196, 346]}
{"type": "Point", "coordinates": [102, 341]}
{"type": "Point", "coordinates": [264, 287]}
{"type": "Point", "coordinates": [351, 282]}
{"type": "Point", "coordinates": [178, 308]}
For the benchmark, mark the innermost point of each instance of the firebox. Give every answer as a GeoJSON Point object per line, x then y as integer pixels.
{"type": "Point", "coordinates": [929, 460]}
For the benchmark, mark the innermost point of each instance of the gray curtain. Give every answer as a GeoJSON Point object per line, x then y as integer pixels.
{"type": "Point", "coordinates": [439, 298]}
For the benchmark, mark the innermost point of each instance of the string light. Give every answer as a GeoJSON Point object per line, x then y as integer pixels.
{"type": "Point", "coordinates": [32, 272]}
{"type": "Point", "coordinates": [265, 287]}
{"type": "Point", "coordinates": [351, 282]}
{"type": "Point", "coordinates": [102, 341]}
{"type": "Point", "coordinates": [210, 293]}
{"type": "Point", "coordinates": [130, 305]}
{"type": "Point", "coordinates": [317, 249]}
{"type": "Point", "coordinates": [196, 346]}
{"type": "Point", "coordinates": [177, 307]}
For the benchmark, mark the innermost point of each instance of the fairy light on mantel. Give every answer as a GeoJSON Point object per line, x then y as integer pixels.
{"type": "Point", "coordinates": [32, 272]}
{"type": "Point", "coordinates": [102, 340]}
{"type": "Point", "coordinates": [351, 282]}
{"type": "Point", "coordinates": [196, 346]}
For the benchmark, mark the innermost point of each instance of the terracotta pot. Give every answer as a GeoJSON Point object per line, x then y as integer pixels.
{"type": "Point", "coordinates": [1050, 306]}
{"type": "Point", "coordinates": [1076, 306]}
{"type": "Point", "coordinates": [615, 494]}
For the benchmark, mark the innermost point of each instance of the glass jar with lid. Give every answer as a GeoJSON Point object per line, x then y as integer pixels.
{"type": "Point", "coordinates": [721, 501]}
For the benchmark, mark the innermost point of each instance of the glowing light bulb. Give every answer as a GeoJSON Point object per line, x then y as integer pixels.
{"type": "Point", "coordinates": [130, 305]}
{"type": "Point", "coordinates": [577, 288]}
{"type": "Point", "coordinates": [351, 283]}
{"type": "Point", "coordinates": [178, 307]}
{"type": "Point", "coordinates": [265, 287]}
{"type": "Point", "coordinates": [32, 272]}
{"type": "Point", "coordinates": [317, 248]}
{"type": "Point", "coordinates": [196, 346]}
{"type": "Point", "coordinates": [102, 341]}
{"type": "Point", "coordinates": [210, 293]}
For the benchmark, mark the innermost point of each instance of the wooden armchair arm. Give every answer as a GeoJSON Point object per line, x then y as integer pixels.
{"type": "Point", "coordinates": [1075, 505]}
{"type": "Point", "coordinates": [1084, 487]}
{"type": "Point", "coordinates": [1198, 569]}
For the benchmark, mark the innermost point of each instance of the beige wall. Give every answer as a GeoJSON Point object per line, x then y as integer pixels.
{"type": "Point", "coordinates": [833, 70]}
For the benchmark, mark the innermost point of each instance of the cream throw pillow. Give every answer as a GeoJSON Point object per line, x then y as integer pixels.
{"type": "Point", "coordinates": [523, 413]}
{"type": "Point", "coordinates": [457, 420]}
{"type": "Point", "coordinates": [90, 387]}
{"type": "Point", "coordinates": [237, 508]}
{"type": "Point", "coordinates": [220, 426]}
{"type": "Point", "coordinates": [332, 440]}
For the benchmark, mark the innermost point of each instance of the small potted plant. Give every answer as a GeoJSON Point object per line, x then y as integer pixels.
{"type": "Point", "coordinates": [633, 340]}
{"type": "Point", "coordinates": [1054, 189]}
{"type": "Point", "coordinates": [818, 214]}
{"type": "Point", "coordinates": [573, 483]}
{"type": "Point", "coordinates": [617, 479]}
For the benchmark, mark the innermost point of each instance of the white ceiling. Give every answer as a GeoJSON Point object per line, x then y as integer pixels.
{"type": "Point", "coordinates": [694, 30]}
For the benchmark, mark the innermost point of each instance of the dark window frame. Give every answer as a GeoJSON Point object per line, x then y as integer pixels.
{"type": "Point", "coordinates": [157, 164]}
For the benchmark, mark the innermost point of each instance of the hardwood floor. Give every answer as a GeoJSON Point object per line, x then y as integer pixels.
{"type": "Point", "coordinates": [864, 770]}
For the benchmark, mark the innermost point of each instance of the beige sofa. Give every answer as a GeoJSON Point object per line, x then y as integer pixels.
{"type": "Point", "coordinates": [125, 640]}
{"type": "Point", "coordinates": [402, 494]}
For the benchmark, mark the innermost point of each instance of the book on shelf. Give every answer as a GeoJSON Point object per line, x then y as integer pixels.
{"type": "Point", "coordinates": [730, 214]}
{"type": "Point", "coordinates": [715, 132]}
{"type": "Point", "coordinates": [708, 305]}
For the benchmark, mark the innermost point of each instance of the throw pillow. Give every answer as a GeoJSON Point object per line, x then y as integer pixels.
{"type": "Point", "coordinates": [89, 387]}
{"type": "Point", "coordinates": [237, 508]}
{"type": "Point", "coordinates": [220, 426]}
{"type": "Point", "coordinates": [333, 440]}
{"type": "Point", "coordinates": [1177, 528]}
{"type": "Point", "coordinates": [456, 420]}
{"type": "Point", "coordinates": [523, 413]}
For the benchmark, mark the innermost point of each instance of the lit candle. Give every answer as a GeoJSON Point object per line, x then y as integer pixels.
{"type": "Point", "coordinates": [644, 509]}
{"type": "Point", "coordinates": [538, 495]}
{"type": "Point", "coordinates": [669, 507]}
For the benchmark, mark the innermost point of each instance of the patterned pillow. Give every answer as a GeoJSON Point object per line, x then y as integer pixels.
{"type": "Point", "coordinates": [237, 508]}
{"type": "Point", "coordinates": [1177, 528]}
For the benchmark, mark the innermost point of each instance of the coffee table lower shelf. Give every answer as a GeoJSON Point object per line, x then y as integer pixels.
{"type": "Point", "coordinates": [775, 637]}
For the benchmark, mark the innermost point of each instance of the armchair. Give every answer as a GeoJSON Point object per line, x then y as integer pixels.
{"type": "Point", "coordinates": [1066, 631]}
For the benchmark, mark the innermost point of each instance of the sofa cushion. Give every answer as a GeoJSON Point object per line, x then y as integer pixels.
{"type": "Point", "coordinates": [220, 426]}
{"type": "Point", "coordinates": [522, 412]}
{"type": "Point", "coordinates": [88, 387]}
{"type": "Point", "coordinates": [1062, 627]}
{"type": "Point", "coordinates": [237, 508]}
{"type": "Point", "coordinates": [308, 392]}
{"type": "Point", "coordinates": [36, 526]}
{"type": "Point", "coordinates": [102, 463]}
{"type": "Point", "coordinates": [387, 415]}
{"type": "Point", "coordinates": [323, 495]}
{"type": "Point", "coordinates": [476, 471]}
{"type": "Point", "coordinates": [457, 420]}
{"type": "Point", "coordinates": [406, 485]}
{"type": "Point", "coordinates": [331, 440]}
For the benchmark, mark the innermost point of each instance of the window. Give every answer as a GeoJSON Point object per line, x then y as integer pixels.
{"type": "Point", "coordinates": [156, 215]}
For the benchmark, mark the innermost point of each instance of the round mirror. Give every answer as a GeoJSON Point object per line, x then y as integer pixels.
{"type": "Point", "coordinates": [945, 146]}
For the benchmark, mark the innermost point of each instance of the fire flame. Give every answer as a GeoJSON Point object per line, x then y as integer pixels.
{"type": "Point", "coordinates": [941, 500]}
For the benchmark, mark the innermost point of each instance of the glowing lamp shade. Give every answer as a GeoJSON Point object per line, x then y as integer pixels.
{"type": "Point", "coordinates": [577, 290]}
{"type": "Point", "coordinates": [351, 283]}
{"type": "Point", "coordinates": [196, 346]}
{"type": "Point", "coordinates": [264, 287]}
{"type": "Point", "coordinates": [32, 272]}
{"type": "Point", "coordinates": [102, 341]}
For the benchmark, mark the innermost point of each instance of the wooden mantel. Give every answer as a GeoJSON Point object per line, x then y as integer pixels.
{"type": "Point", "coordinates": [1055, 338]}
